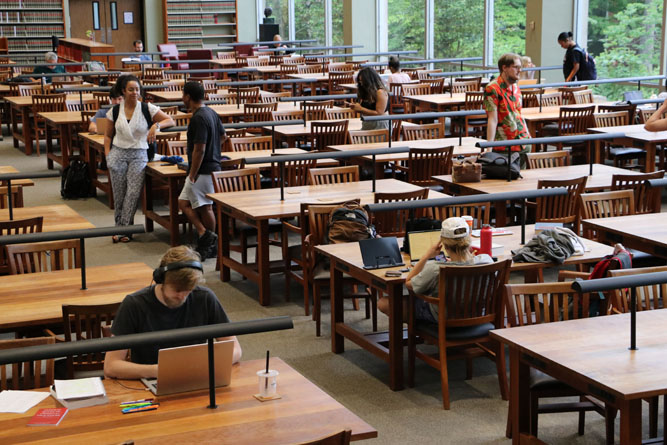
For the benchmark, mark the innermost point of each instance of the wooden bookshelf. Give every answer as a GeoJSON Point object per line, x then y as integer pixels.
{"type": "Point", "coordinates": [192, 24]}
{"type": "Point", "coordinates": [83, 50]}
{"type": "Point", "coordinates": [29, 24]}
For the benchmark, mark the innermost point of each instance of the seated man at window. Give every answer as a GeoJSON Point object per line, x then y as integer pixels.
{"type": "Point", "coordinates": [49, 57]}
{"type": "Point", "coordinates": [175, 301]}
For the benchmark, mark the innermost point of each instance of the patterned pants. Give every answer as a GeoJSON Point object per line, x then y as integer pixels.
{"type": "Point", "coordinates": [126, 170]}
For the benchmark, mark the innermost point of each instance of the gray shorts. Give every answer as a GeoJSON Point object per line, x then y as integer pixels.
{"type": "Point", "coordinates": [196, 193]}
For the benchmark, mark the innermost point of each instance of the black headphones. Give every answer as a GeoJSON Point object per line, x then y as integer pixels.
{"type": "Point", "coordinates": [159, 273]}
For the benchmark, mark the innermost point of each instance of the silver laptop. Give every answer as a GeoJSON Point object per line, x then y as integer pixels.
{"type": "Point", "coordinates": [185, 368]}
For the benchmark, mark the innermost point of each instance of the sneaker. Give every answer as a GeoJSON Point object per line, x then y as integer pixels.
{"type": "Point", "coordinates": [213, 250]}
{"type": "Point", "coordinates": [204, 244]}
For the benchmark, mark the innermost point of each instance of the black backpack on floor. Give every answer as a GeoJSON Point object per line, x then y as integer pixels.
{"type": "Point", "coordinates": [75, 180]}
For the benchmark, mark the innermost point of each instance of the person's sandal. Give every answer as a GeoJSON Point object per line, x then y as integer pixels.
{"type": "Point", "coordinates": [115, 239]}
{"type": "Point", "coordinates": [125, 238]}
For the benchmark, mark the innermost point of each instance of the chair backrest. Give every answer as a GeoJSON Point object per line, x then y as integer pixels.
{"type": "Point", "coordinates": [337, 67]}
{"type": "Point", "coordinates": [17, 227]}
{"type": "Point", "coordinates": [177, 148]}
{"type": "Point", "coordinates": [318, 219]}
{"type": "Point", "coordinates": [413, 72]}
{"type": "Point", "coordinates": [26, 375]}
{"type": "Point", "coordinates": [474, 100]}
{"type": "Point", "coordinates": [153, 73]}
{"type": "Point", "coordinates": [648, 297]}
{"type": "Point", "coordinates": [339, 438]}
{"type": "Point", "coordinates": [323, 134]}
{"type": "Point", "coordinates": [258, 61]}
{"type": "Point", "coordinates": [81, 105]}
{"type": "Point", "coordinates": [472, 295]}
{"type": "Point", "coordinates": [575, 120]}
{"type": "Point", "coordinates": [421, 132]}
{"type": "Point", "coordinates": [340, 113]}
{"type": "Point", "coordinates": [294, 59]}
{"type": "Point", "coordinates": [251, 144]}
{"type": "Point", "coordinates": [529, 97]}
{"type": "Point", "coordinates": [479, 211]}
{"type": "Point", "coordinates": [551, 99]}
{"type": "Point", "coordinates": [246, 95]}
{"type": "Point", "coordinates": [415, 89]}
{"type": "Point", "coordinates": [583, 97]}
{"type": "Point", "coordinates": [236, 180]}
{"type": "Point", "coordinates": [647, 199]}
{"type": "Point", "coordinates": [548, 159]}
{"type": "Point", "coordinates": [182, 120]}
{"type": "Point", "coordinates": [295, 173]}
{"type": "Point", "coordinates": [336, 78]}
{"type": "Point", "coordinates": [45, 103]}
{"type": "Point", "coordinates": [29, 90]}
{"type": "Point", "coordinates": [315, 110]}
{"type": "Point", "coordinates": [568, 93]}
{"type": "Point", "coordinates": [646, 113]}
{"type": "Point", "coordinates": [228, 98]}
{"type": "Point", "coordinates": [425, 74]}
{"type": "Point", "coordinates": [102, 97]}
{"type": "Point", "coordinates": [535, 303]}
{"type": "Point", "coordinates": [561, 208]}
{"type": "Point", "coordinates": [287, 115]}
{"type": "Point", "coordinates": [476, 79]}
{"type": "Point", "coordinates": [334, 175]}
{"type": "Point", "coordinates": [308, 69]}
{"type": "Point", "coordinates": [424, 163]}
{"type": "Point", "coordinates": [288, 68]}
{"type": "Point", "coordinates": [465, 86]}
{"type": "Point", "coordinates": [259, 112]}
{"type": "Point", "coordinates": [17, 196]}
{"type": "Point", "coordinates": [44, 257]}
{"type": "Point", "coordinates": [630, 109]}
{"type": "Point", "coordinates": [224, 55]}
{"type": "Point", "coordinates": [392, 223]}
{"type": "Point", "coordinates": [605, 205]}
{"type": "Point", "coordinates": [269, 97]}
{"type": "Point", "coordinates": [368, 136]}
{"type": "Point", "coordinates": [85, 322]}
{"type": "Point", "coordinates": [232, 164]}
{"type": "Point", "coordinates": [611, 119]}
{"type": "Point", "coordinates": [162, 139]}
{"type": "Point", "coordinates": [437, 84]}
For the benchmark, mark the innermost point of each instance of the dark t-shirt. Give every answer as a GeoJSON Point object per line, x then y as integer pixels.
{"type": "Point", "coordinates": [143, 312]}
{"type": "Point", "coordinates": [572, 57]}
{"type": "Point", "coordinates": [205, 128]}
{"type": "Point", "coordinates": [47, 70]}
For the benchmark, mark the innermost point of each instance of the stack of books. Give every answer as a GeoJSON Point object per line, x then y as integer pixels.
{"type": "Point", "coordinates": [79, 393]}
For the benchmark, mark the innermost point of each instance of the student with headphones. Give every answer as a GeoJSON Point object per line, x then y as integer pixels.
{"type": "Point", "coordinates": [176, 300]}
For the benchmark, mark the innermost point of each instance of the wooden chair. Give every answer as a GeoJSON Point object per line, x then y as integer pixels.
{"type": "Point", "coordinates": [474, 101]}
{"type": "Point", "coordinates": [177, 148]}
{"type": "Point", "coordinates": [424, 163]}
{"type": "Point", "coordinates": [437, 84]}
{"type": "Point", "coordinates": [530, 304]}
{"type": "Point", "coordinates": [337, 78]}
{"type": "Point", "coordinates": [413, 89]}
{"type": "Point", "coordinates": [31, 90]}
{"type": "Point", "coordinates": [340, 114]}
{"type": "Point", "coordinates": [568, 93]}
{"type": "Point", "coordinates": [246, 95]}
{"type": "Point", "coordinates": [182, 120]}
{"type": "Point", "coordinates": [26, 375]}
{"type": "Point", "coordinates": [648, 297]}
{"type": "Point", "coordinates": [45, 103]}
{"type": "Point", "coordinates": [232, 164]}
{"type": "Point", "coordinates": [529, 97]}
{"type": "Point", "coordinates": [81, 105]}
{"type": "Point", "coordinates": [85, 322]}
{"type": "Point", "coordinates": [561, 208]}
{"type": "Point", "coordinates": [224, 98]}
{"type": "Point", "coordinates": [368, 136]}
{"type": "Point", "coordinates": [339, 438]}
{"type": "Point", "coordinates": [477, 80]}
{"type": "Point", "coordinates": [583, 97]}
{"type": "Point", "coordinates": [258, 61]}
{"type": "Point", "coordinates": [295, 172]}
{"type": "Point", "coordinates": [605, 205]}
{"type": "Point", "coordinates": [268, 97]}
{"type": "Point", "coordinates": [647, 199]}
{"type": "Point", "coordinates": [396, 103]}
{"type": "Point", "coordinates": [258, 112]}
{"type": "Point", "coordinates": [162, 139]}
{"type": "Point", "coordinates": [465, 86]}
{"type": "Point", "coordinates": [226, 55]}
{"type": "Point", "coordinates": [17, 196]}
{"type": "Point", "coordinates": [316, 110]}
{"type": "Point", "coordinates": [469, 306]}
{"type": "Point", "coordinates": [480, 212]}
{"type": "Point", "coordinates": [392, 223]}
{"type": "Point", "coordinates": [631, 109]}
{"type": "Point", "coordinates": [102, 97]}
{"type": "Point", "coordinates": [551, 99]}
{"type": "Point", "coordinates": [413, 72]}
{"type": "Point", "coordinates": [309, 69]}
{"type": "Point", "coordinates": [396, 127]}
{"type": "Point", "coordinates": [426, 74]}
{"type": "Point", "coordinates": [340, 67]}
{"type": "Point", "coordinates": [620, 155]}
{"type": "Point", "coordinates": [318, 275]}
{"type": "Point", "coordinates": [44, 257]}
{"type": "Point", "coordinates": [333, 175]}
{"type": "Point", "coordinates": [574, 121]}
{"type": "Point", "coordinates": [251, 143]}
{"type": "Point", "coordinates": [421, 132]}
{"type": "Point", "coordinates": [66, 83]}
{"type": "Point", "coordinates": [153, 73]}
{"type": "Point", "coordinates": [16, 227]}
{"type": "Point", "coordinates": [548, 159]}
{"type": "Point", "coordinates": [324, 134]}
{"type": "Point", "coordinates": [287, 115]}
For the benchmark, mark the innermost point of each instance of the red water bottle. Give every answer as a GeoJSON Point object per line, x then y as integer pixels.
{"type": "Point", "coordinates": [485, 241]}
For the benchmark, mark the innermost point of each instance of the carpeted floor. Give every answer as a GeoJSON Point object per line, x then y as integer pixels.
{"type": "Point", "coordinates": [355, 378]}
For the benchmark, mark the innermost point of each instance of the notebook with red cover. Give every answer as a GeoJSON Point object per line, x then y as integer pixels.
{"type": "Point", "coordinates": [48, 417]}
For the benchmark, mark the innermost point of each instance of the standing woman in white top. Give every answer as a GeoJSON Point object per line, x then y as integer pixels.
{"type": "Point", "coordinates": [126, 143]}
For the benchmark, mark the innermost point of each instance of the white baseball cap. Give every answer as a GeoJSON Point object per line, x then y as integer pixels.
{"type": "Point", "coordinates": [454, 228]}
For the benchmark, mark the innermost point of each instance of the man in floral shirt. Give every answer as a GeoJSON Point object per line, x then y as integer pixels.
{"type": "Point", "coordinates": [502, 101]}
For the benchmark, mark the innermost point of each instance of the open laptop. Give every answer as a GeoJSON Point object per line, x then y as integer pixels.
{"type": "Point", "coordinates": [102, 123]}
{"type": "Point", "coordinates": [378, 253]}
{"type": "Point", "coordinates": [420, 242]}
{"type": "Point", "coordinates": [185, 368]}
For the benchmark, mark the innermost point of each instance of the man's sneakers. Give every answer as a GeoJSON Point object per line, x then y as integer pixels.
{"type": "Point", "coordinates": [207, 245]}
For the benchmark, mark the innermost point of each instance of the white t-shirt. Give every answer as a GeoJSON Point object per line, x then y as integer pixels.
{"type": "Point", "coordinates": [132, 134]}
{"type": "Point", "coordinates": [399, 78]}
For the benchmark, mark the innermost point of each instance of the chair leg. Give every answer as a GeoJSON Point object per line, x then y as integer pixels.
{"type": "Point", "coordinates": [502, 370]}
{"type": "Point", "coordinates": [444, 377]}
{"type": "Point", "coordinates": [306, 294]}
{"type": "Point", "coordinates": [317, 307]}
{"type": "Point", "coordinates": [609, 419]}
{"type": "Point", "coordinates": [534, 406]}
{"type": "Point", "coordinates": [374, 310]}
{"type": "Point", "coordinates": [653, 417]}
{"type": "Point", "coordinates": [582, 418]}
{"type": "Point", "coordinates": [508, 427]}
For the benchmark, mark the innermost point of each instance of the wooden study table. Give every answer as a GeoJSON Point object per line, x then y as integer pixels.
{"type": "Point", "coordinates": [600, 180]}
{"type": "Point", "coordinates": [437, 102]}
{"type": "Point", "coordinates": [22, 106]}
{"type": "Point", "coordinates": [230, 112]}
{"type": "Point", "coordinates": [292, 133]}
{"type": "Point", "coordinates": [467, 148]}
{"type": "Point", "coordinates": [36, 299]}
{"type": "Point", "coordinates": [635, 135]}
{"type": "Point", "coordinates": [346, 258]}
{"type": "Point", "coordinates": [592, 356]}
{"type": "Point", "coordinates": [56, 217]}
{"type": "Point", "coordinates": [281, 151]}
{"type": "Point", "coordinates": [256, 207]}
{"type": "Point", "coordinates": [647, 232]}
{"type": "Point", "coordinates": [302, 414]}
{"type": "Point", "coordinates": [62, 121]}
{"type": "Point", "coordinates": [535, 117]}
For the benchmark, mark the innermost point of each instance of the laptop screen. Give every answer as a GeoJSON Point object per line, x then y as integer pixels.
{"type": "Point", "coordinates": [377, 253]}
{"type": "Point", "coordinates": [421, 242]}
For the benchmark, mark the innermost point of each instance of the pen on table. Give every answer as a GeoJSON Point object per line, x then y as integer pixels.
{"type": "Point", "coordinates": [140, 409]}
{"type": "Point", "coordinates": [266, 381]}
{"type": "Point", "coordinates": [136, 401]}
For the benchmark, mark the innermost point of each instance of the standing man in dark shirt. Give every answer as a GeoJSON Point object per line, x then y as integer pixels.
{"type": "Point", "coordinates": [205, 134]}
{"type": "Point", "coordinates": [176, 301]}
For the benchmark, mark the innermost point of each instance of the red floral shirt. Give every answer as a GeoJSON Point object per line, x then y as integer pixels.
{"type": "Point", "coordinates": [505, 100]}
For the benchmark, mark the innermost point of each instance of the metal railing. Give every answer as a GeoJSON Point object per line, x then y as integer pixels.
{"type": "Point", "coordinates": [9, 177]}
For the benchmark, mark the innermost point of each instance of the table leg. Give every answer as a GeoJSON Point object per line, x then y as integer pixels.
{"type": "Point", "coordinates": [65, 144]}
{"type": "Point", "coordinates": [172, 185]}
{"type": "Point", "coordinates": [148, 200]}
{"type": "Point", "coordinates": [27, 138]}
{"type": "Point", "coordinates": [49, 145]}
{"type": "Point", "coordinates": [337, 312]}
{"type": "Point", "coordinates": [650, 157]}
{"type": "Point", "coordinates": [263, 262]}
{"type": "Point", "coordinates": [631, 422]}
{"type": "Point", "coordinates": [89, 155]}
{"type": "Point", "coordinates": [501, 213]}
{"type": "Point", "coordinates": [395, 295]}
{"type": "Point", "coordinates": [519, 396]}
{"type": "Point", "coordinates": [223, 243]}
{"type": "Point", "coordinates": [13, 116]}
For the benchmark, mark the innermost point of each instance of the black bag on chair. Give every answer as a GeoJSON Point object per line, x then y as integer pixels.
{"type": "Point", "coordinates": [494, 165]}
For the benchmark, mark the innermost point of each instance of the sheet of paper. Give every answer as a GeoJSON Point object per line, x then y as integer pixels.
{"type": "Point", "coordinates": [20, 401]}
{"type": "Point", "coordinates": [79, 388]}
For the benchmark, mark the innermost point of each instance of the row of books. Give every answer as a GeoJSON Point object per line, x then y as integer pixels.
{"type": "Point", "coordinates": [30, 45]}
{"type": "Point", "coordinates": [31, 31]}
{"type": "Point", "coordinates": [228, 6]}
{"type": "Point", "coordinates": [31, 17]}
{"type": "Point", "coordinates": [6, 4]}
{"type": "Point", "coordinates": [186, 32]}
{"type": "Point", "coordinates": [205, 19]}
{"type": "Point", "coordinates": [187, 44]}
